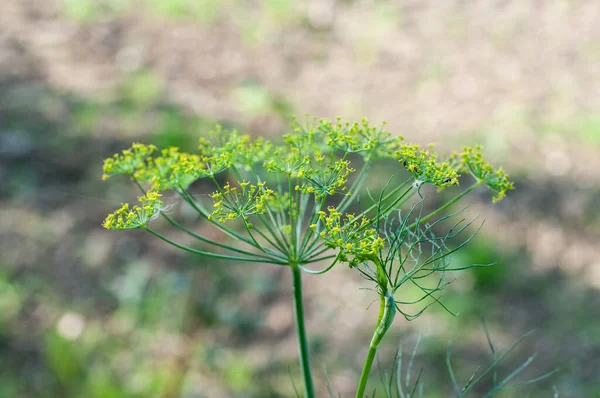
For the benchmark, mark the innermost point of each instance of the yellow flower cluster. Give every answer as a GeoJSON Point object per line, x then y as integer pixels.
{"type": "Point", "coordinates": [497, 181]}
{"type": "Point", "coordinates": [136, 216]}
{"type": "Point", "coordinates": [424, 166]}
{"type": "Point", "coordinates": [231, 203]}
{"type": "Point", "coordinates": [361, 138]}
{"type": "Point", "coordinates": [287, 160]}
{"type": "Point", "coordinates": [129, 162]}
{"type": "Point", "coordinates": [309, 138]}
{"type": "Point", "coordinates": [171, 170]}
{"type": "Point", "coordinates": [241, 150]}
{"type": "Point", "coordinates": [221, 140]}
{"type": "Point", "coordinates": [177, 170]}
{"type": "Point", "coordinates": [349, 235]}
{"type": "Point", "coordinates": [326, 179]}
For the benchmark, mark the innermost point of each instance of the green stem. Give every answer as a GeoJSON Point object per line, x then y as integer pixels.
{"type": "Point", "coordinates": [364, 377]}
{"type": "Point", "coordinates": [309, 391]}
{"type": "Point", "coordinates": [385, 198]}
{"type": "Point", "coordinates": [293, 236]}
{"type": "Point", "coordinates": [209, 241]}
{"type": "Point", "coordinates": [309, 233]}
{"type": "Point", "coordinates": [213, 255]}
{"type": "Point", "coordinates": [387, 311]}
{"type": "Point", "coordinates": [381, 215]}
{"type": "Point", "coordinates": [277, 243]}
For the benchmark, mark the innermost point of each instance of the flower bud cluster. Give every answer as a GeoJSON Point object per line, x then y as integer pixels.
{"type": "Point", "coordinates": [361, 138]}
{"type": "Point", "coordinates": [137, 216]}
{"type": "Point", "coordinates": [171, 170]}
{"type": "Point", "coordinates": [309, 138]}
{"type": "Point", "coordinates": [177, 170]}
{"type": "Point", "coordinates": [287, 160]}
{"type": "Point", "coordinates": [356, 243]}
{"type": "Point", "coordinates": [129, 162]}
{"type": "Point", "coordinates": [326, 179]}
{"type": "Point", "coordinates": [242, 151]}
{"type": "Point", "coordinates": [471, 161]}
{"type": "Point", "coordinates": [231, 203]}
{"type": "Point", "coordinates": [424, 166]}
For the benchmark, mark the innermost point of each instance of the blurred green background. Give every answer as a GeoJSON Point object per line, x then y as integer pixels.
{"type": "Point", "coordinates": [90, 313]}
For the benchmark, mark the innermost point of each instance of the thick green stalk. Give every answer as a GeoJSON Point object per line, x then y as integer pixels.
{"type": "Point", "coordinates": [387, 311]}
{"type": "Point", "coordinates": [309, 390]}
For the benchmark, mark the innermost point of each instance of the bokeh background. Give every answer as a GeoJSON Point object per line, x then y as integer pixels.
{"type": "Point", "coordinates": [90, 313]}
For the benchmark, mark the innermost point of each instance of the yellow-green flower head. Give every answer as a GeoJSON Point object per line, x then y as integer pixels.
{"type": "Point", "coordinates": [361, 138]}
{"type": "Point", "coordinates": [135, 217]}
{"type": "Point", "coordinates": [355, 242]}
{"type": "Point", "coordinates": [240, 202]}
{"type": "Point", "coordinates": [424, 166]}
{"type": "Point", "coordinates": [308, 138]}
{"type": "Point", "coordinates": [309, 142]}
{"type": "Point", "coordinates": [242, 150]}
{"type": "Point", "coordinates": [248, 154]}
{"type": "Point", "coordinates": [220, 140]}
{"type": "Point", "coordinates": [213, 165]}
{"type": "Point", "coordinates": [326, 178]}
{"type": "Point", "coordinates": [497, 181]}
{"type": "Point", "coordinates": [171, 170]}
{"type": "Point", "coordinates": [177, 170]}
{"type": "Point", "coordinates": [129, 161]}
{"type": "Point", "coordinates": [287, 160]}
